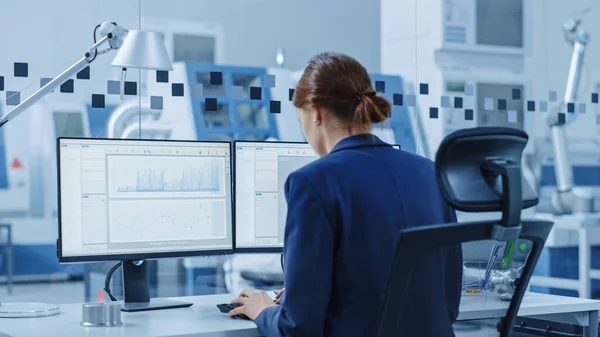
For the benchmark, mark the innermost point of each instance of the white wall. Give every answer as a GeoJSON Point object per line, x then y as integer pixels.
{"type": "Point", "coordinates": [254, 29]}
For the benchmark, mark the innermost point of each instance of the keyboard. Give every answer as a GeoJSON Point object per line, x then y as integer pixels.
{"type": "Point", "coordinates": [227, 307]}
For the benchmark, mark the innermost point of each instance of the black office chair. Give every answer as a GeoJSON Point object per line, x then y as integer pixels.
{"type": "Point", "coordinates": [478, 170]}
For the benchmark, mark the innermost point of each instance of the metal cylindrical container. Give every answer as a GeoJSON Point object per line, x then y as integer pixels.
{"type": "Point", "coordinates": [101, 314]}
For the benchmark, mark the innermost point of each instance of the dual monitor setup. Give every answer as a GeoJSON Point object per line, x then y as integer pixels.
{"type": "Point", "coordinates": [133, 200]}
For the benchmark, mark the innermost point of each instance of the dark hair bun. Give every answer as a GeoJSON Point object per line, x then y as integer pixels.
{"type": "Point", "coordinates": [372, 108]}
{"type": "Point", "coordinates": [340, 84]}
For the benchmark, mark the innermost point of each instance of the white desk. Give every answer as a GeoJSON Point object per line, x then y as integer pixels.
{"type": "Point", "coordinates": [204, 319]}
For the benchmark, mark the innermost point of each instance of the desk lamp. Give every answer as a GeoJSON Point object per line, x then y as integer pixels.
{"type": "Point", "coordinates": [135, 49]}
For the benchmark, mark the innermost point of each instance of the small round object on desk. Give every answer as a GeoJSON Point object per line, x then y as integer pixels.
{"type": "Point", "coordinates": [27, 309]}
{"type": "Point", "coordinates": [101, 314]}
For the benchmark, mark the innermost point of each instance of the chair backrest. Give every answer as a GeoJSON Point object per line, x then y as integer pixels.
{"type": "Point", "coordinates": [478, 170]}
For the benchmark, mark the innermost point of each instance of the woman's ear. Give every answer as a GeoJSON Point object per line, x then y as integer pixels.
{"type": "Point", "coordinates": [317, 115]}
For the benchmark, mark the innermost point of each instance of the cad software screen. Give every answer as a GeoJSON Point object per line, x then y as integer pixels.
{"type": "Point", "coordinates": [121, 197]}
{"type": "Point", "coordinates": [261, 169]}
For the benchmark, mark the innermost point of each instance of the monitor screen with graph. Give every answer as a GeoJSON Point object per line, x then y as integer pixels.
{"type": "Point", "coordinates": [141, 199]}
{"type": "Point", "coordinates": [260, 172]}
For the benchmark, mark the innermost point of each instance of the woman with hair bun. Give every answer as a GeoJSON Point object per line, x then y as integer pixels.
{"type": "Point", "coordinates": [344, 214]}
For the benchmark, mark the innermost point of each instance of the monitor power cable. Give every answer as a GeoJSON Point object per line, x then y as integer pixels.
{"type": "Point", "coordinates": [107, 280]}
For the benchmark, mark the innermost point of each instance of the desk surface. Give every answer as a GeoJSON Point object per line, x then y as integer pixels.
{"type": "Point", "coordinates": [204, 319]}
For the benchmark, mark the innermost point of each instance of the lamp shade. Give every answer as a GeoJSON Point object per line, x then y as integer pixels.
{"type": "Point", "coordinates": [143, 50]}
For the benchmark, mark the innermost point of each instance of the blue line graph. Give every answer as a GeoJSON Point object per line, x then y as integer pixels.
{"type": "Point", "coordinates": [204, 178]}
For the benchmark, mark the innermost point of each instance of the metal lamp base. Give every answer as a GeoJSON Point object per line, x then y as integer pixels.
{"type": "Point", "coordinates": [27, 309]}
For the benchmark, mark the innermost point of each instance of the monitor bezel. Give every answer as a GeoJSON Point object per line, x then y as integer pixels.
{"type": "Point", "coordinates": [147, 255]}
{"type": "Point", "coordinates": [257, 250]}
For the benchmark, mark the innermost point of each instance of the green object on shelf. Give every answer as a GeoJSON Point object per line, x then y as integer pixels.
{"type": "Point", "coordinates": [508, 255]}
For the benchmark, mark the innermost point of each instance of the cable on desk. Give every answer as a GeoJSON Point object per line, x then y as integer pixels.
{"type": "Point", "coordinates": [107, 280]}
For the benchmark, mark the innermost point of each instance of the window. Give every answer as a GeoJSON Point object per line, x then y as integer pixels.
{"type": "Point", "coordinates": [500, 23]}
{"type": "Point", "coordinates": [193, 48]}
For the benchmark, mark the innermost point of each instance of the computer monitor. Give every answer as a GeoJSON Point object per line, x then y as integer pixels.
{"type": "Point", "coordinates": [131, 200]}
{"type": "Point", "coordinates": [260, 172]}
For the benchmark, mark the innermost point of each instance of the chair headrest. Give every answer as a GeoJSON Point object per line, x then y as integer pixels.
{"type": "Point", "coordinates": [463, 182]}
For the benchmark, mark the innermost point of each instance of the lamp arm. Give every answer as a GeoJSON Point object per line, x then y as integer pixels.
{"type": "Point", "coordinates": [54, 83]}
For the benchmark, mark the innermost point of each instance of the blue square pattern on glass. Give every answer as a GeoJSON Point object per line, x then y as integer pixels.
{"type": "Point", "coordinates": [156, 102]}
{"type": "Point", "coordinates": [13, 98]}
{"type": "Point", "coordinates": [469, 114]}
{"type": "Point", "coordinates": [98, 101]}
{"type": "Point", "coordinates": [424, 89]}
{"type": "Point", "coordinates": [469, 90]}
{"type": "Point", "coordinates": [275, 107]}
{"type": "Point", "coordinates": [597, 119]}
{"type": "Point", "coordinates": [512, 116]}
{"type": "Point", "coordinates": [1, 83]}
{"type": "Point", "coordinates": [411, 100]}
{"type": "Point", "coordinates": [552, 96]}
{"type": "Point", "coordinates": [516, 94]}
{"type": "Point", "coordinates": [488, 104]}
{"type": "Point", "coordinates": [595, 97]}
{"type": "Point", "coordinates": [130, 88]}
{"type": "Point", "coordinates": [458, 102]}
{"type": "Point", "coordinates": [582, 108]}
{"type": "Point", "coordinates": [177, 89]}
{"type": "Point", "coordinates": [256, 93]}
{"type": "Point", "coordinates": [433, 113]}
{"type": "Point", "coordinates": [197, 89]}
{"type": "Point", "coordinates": [562, 118]}
{"type": "Point", "coordinates": [291, 94]}
{"type": "Point", "coordinates": [162, 76]}
{"type": "Point", "coordinates": [44, 81]}
{"type": "Point", "coordinates": [502, 104]}
{"type": "Point", "coordinates": [543, 106]}
{"type": "Point", "coordinates": [237, 92]}
{"type": "Point", "coordinates": [113, 87]}
{"type": "Point", "coordinates": [68, 86]}
{"type": "Point", "coordinates": [398, 99]}
{"type": "Point", "coordinates": [530, 105]}
{"type": "Point", "coordinates": [21, 69]}
{"type": "Point", "coordinates": [445, 102]}
{"type": "Point", "coordinates": [269, 81]}
{"type": "Point", "coordinates": [216, 78]}
{"type": "Point", "coordinates": [84, 74]}
{"type": "Point", "coordinates": [210, 104]}
{"type": "Point", "coordinates": [571, 107]}
{"type": "Point", "coordinates": [380, 86]}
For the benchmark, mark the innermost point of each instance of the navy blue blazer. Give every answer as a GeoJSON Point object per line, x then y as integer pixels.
{"type": "Point", "coordinates": [344, 213]}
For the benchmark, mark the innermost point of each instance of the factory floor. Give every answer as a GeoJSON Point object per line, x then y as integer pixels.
{"type": "Point", "coordinates": [73, 292]}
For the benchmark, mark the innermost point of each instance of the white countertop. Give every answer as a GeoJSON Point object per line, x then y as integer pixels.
{"type": "Point", "coordinates": [204, 319]}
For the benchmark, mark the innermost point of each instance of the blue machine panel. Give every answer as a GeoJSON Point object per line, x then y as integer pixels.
{"type": "Point", "coordinates": [242, 113]}
{"type": "Point", "coordinates": [582, 176]}
{"type": "Point", "coordinates": [400, 121]}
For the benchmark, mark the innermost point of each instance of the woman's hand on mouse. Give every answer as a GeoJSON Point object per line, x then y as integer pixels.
{"type": "Point", "coordinates": [278, 296]}
{"type": "Point", "coordinates": [253, 303]}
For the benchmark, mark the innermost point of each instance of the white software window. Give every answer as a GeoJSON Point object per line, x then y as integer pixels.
{"type": "Point", "coordinates": [131, 196]}
{"type": "Point", "coordinates": [261, 169]}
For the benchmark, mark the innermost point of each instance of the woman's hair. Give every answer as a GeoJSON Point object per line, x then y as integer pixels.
{"type": "Point", "coordinates": [339, 84]}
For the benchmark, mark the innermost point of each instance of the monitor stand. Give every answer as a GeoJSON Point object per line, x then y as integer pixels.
{"type": "Point", "coordinates": [136, 288]}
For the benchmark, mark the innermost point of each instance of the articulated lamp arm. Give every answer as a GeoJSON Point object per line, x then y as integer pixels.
{"type": "Point", "coordinates": [111, 33]}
